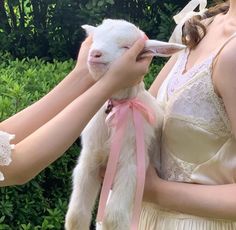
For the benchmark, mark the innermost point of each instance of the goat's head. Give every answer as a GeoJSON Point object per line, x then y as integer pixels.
{"type": "Point", "coordinates": [113, 37]}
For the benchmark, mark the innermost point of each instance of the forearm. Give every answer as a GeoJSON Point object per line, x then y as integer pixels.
{"type": "Point", "coordinates": [50, 141]}
{"type": "Point", "coordinates": [28, 120]}
{"type": "Point", "coordinates": [217, 201]}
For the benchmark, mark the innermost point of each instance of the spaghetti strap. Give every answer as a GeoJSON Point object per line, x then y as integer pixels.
{"type": "Point", "coordinates": [224, 44]}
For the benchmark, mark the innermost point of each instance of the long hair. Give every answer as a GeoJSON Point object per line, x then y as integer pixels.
{"type": "Point", "coordinates": [194, 29]}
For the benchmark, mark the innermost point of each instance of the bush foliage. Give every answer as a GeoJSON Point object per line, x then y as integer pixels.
{"type": "Point", "coordinates": [51, 29]}
{"type": "Point", "coordinates": [41, 203]}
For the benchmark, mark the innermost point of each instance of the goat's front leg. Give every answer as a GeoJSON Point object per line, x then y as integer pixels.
{"type": "Point", "coordinates": [119, 208]}
{"type": "Point", "coordinates": [86, 184]}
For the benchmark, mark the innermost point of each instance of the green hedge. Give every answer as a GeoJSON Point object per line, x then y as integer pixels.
{"type": "Point", "coordinates": [41, 203]}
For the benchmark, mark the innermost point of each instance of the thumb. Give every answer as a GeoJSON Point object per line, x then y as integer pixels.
{"type": "Point", "coordinates": [136, 49]}
{"type": "Point", "coordinates": [88, 41]}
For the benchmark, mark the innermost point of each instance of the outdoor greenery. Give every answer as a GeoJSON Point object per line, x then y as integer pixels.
{"type": "Point", "coordinates": [51, 29]}
{"type": "Point", "coordinates": [38, 41]}
{"type": "Point", "coordinates": [40, 204]}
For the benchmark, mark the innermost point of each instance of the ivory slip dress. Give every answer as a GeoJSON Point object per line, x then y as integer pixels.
{"type": "Point", "coordinates": [197, 143]}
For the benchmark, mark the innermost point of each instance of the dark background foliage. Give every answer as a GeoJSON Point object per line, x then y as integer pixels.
{"type": "Point", "coordinates": [38, 38]}
{"type": "Point", "coordinates": [51, 29]}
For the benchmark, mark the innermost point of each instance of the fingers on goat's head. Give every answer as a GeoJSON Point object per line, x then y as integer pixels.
{"type": "Point", "coordinates": [113, 37]}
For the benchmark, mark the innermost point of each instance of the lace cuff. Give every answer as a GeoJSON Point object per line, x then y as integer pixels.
{"type": "Point", "coordinates": [5, 150]}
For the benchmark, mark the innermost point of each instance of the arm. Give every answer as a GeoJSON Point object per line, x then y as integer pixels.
{"type": "Point", "coordinates": [28, 120]}
{"type": "Point", "coordinates": [51, 140]}
{"type": "Point", "coordinates": [162, 75]}
{"type": "Point", "coordinates": [217, 201]}
{"type": "Point", "coordinates": [224, 79]}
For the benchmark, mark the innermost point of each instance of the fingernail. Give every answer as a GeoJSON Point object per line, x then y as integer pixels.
{"type": "Point", "coordinates": [142, 39]}
{"type": "Point", "coordinates": [145, 37]}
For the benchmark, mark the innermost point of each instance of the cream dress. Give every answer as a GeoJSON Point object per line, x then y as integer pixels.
{"type": "Point", "coordinates": [197, 144]}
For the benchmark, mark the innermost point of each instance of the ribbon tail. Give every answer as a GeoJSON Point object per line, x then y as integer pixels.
{"type": "Point", "coordinates": [191, 6]}
{"type": "Point", "coordinates": [111, 165]}
{"type": "Point", "coordinates": [141, 169]}
{"type": "Point", "coordinates": [203, 4]}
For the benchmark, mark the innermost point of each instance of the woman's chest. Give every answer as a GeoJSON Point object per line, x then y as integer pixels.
{"type": "Point", "coordinates": [196, 102]}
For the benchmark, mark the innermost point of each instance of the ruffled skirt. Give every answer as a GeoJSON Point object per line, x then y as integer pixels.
{"type": "Point", "coordinates": [155, 218]}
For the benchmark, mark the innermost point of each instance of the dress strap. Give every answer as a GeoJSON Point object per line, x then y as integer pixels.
{"type": "Point", "coordinates": [224, 44]}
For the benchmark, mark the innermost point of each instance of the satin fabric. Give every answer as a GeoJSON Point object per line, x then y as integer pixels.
{"type": "Point", "coordinates": [156, 218]}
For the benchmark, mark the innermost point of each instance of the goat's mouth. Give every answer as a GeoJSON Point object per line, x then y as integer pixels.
{"type": "Point", "coordinates": [97, 63]}
{"type": "Point", "coordinates": [97, 68]}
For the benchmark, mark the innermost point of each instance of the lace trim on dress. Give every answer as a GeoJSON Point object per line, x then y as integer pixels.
{"type": "Point", "coordinates": [181, 76]}
{"type": "Point", "coordinates": [218, 102]}
{"type": "Point", "coordinates": [194, 105]}
{"type": "Point", "coordinates": [197, 91]}
{"type": "Point", "coordinates": [175, 169]}
{"type": "Point", "coordinates": [5, 150]}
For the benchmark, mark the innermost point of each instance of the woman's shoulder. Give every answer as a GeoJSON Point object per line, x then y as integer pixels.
{"type": "Point", "coordinates": [224, 77]}
{"type": "Point", "coordinates": [228, 48]}
{"type": "Point", "coordinates": [226, 60]}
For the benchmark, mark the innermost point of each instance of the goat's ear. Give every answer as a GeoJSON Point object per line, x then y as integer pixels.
{"type": "Point", "coordinates": [162, 49]}
{"type": "Point", "coordinates": [89, 29]}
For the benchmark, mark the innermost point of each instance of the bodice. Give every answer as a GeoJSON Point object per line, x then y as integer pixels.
{"type": "Point", "coordinates": [197, 144]}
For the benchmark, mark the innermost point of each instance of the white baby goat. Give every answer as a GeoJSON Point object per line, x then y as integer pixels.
{"type": "Point", "coordinates": [110, 40]}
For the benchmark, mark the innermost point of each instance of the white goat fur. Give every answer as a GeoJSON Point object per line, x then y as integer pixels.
{"type": "Point", "coordinates": [110, 40]}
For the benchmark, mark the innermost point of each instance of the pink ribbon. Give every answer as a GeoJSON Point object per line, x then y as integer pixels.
{"type": "Point", "coordinates": [118, 118]}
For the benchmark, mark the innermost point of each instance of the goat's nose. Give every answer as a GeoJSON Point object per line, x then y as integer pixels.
{"type": "Point", "coordinates": [96, 53]}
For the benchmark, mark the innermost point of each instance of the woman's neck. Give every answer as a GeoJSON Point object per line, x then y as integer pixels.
{"type": "Point", "coordinates": [228, 21]}
{"type": "Point", "coordinates": [232, 10]}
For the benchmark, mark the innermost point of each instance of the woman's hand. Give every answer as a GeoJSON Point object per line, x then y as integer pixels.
{"type": "Point", "coordinates": [152, 183]}
{"type": "Point", "coordinates": [81, 67]}
{"type": "Point", "coordinates": [128, 70]}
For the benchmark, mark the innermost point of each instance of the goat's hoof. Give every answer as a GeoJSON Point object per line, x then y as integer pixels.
{"type": "Point", "coordinates": [73, 222]}
{"type": "Point", "coordinates": [111, 224]}
{"type": "Point", "coordinates": [99, 226]}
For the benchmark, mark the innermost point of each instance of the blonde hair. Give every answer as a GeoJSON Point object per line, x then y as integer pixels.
{"type": "Point", "coordinates": [194, 30]}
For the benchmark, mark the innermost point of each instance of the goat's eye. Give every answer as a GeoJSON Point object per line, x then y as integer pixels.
{"type": "Point", "coordinates": [125, 47]}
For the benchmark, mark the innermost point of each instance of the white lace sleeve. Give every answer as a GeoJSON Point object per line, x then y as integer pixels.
{"type": "Point", "coordinates": [5, 150]}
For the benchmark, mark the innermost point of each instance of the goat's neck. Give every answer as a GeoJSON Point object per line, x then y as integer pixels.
{"type": "Point", "coordinates": [127, 93]}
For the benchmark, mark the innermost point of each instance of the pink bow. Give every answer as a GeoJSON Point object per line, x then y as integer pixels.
{"type": "Point", "coordinates": [118, 118]}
